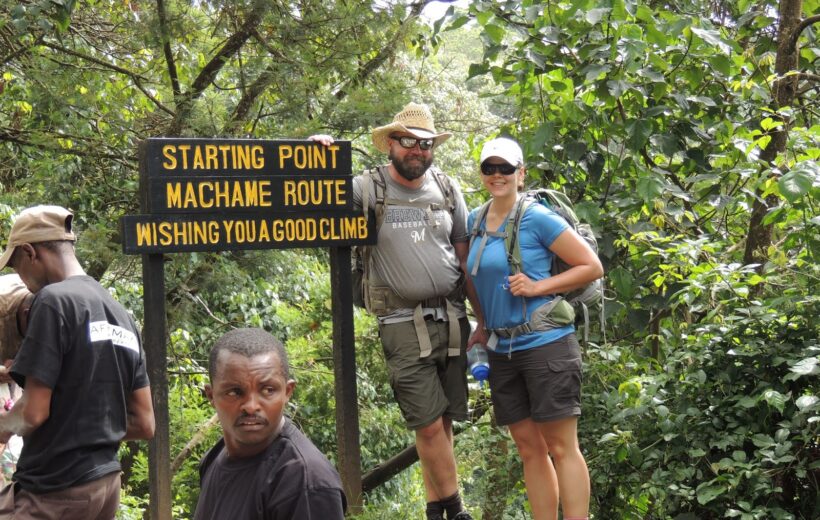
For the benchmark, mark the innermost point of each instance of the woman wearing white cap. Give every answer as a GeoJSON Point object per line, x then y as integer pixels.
{"type": "Point", "coordinates": [535, 359]}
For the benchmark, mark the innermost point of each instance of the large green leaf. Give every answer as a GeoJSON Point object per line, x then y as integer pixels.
{"type": "Point", "coordinates": [622, 280]}
{"type": "Point", "coordinates": [639, 132]}
{"type": "Point", "coordinates": [707, 492]}
{"type": "Point", "coordinates": [649, 188]}
{"type": "Point", "coordinates": [800, 180]}
{"type": "Point", "coordinates": [807, 402]}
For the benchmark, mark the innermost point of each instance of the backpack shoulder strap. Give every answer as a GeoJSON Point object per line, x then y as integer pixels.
{"type": "Point", "coordinates": [375, 178]}
{"type": "Point", "coordinates": [479, 218]}
{"type": "Point", "coordinates": [513, 227]}
{"type": "Point", "coordinates": [560, 204]}
{"type": "Point", "coordinates": [476, 231]}
{"type": "Point", "coordinates": [445, 185]}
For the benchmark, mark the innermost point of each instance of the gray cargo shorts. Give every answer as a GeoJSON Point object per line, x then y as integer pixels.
{"type": "Point", "coordinates": [430, 387]}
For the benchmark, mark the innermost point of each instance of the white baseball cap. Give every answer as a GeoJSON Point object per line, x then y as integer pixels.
{"type": "Point", "coordinates": [503, 148]}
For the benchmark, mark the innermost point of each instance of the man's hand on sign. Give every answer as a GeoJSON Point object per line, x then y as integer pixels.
{"type": "Point", "coordinates": [324, 139]}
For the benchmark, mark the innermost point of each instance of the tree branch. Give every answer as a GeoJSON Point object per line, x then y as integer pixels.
{"type": "Point", "coordinates": [15, 53]}
{"type": "Point", "coordinates": [259, 85]}
{"type": "Point", "coordinates": [383, 55]}
{"type": "Point", "coordinates": [213, 67]}
{"type": "Point", "coordinates": [10, 135]}
{"type": "Point", "coordinates": [402, 460]}
{"type": "Point", "coordinates": [808, 76]}
{"type": "Point", "coordinates": [196, 440]}
{"type": "Point", "coordinates": [166, 48]}
{"type": "Point", "coordinates": [805, 22]}
{"type": "Point", "coordinates": [136, 78]}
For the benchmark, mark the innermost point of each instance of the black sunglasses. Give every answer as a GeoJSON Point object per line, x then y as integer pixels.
{"type": "Point", "coordinates": [503, 169]}
{"type": "Point", "coordinates": [410, 142]}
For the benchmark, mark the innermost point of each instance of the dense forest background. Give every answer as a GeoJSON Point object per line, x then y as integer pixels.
{"type": "Point", "coordinates": [685, 130]}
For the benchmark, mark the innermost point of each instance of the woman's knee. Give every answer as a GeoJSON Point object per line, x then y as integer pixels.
{"type": "Point", "coordinates": [530, 445]}
{"type": "Point", "coordinates": [430, 431]}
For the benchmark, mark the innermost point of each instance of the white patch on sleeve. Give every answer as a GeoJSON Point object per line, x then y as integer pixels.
{"type": "Point", "coordinates": [104, 331]}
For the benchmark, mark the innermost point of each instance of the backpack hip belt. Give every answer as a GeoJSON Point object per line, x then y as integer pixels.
{"type": "Point", "coordinates": [382, 301]}
{"type": "Point", "coordinates": [554, 314]}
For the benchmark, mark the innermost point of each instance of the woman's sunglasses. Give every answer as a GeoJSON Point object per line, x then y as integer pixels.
{"type": "Point", "coordinates": [503, 169]}
{"type": "Point", "coordinates": [411, 142]}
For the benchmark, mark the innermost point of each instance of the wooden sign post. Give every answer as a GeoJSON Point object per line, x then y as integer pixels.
{"type": "Point", "coordinates": [237, 194]}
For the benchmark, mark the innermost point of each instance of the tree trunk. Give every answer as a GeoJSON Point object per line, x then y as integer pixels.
{"type": "Point", "coordinates": [759, 236]}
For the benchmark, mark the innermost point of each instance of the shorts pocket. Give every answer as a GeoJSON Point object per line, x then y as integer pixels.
{"type": "Point", "coordinates": [565, 379]}
{"type": "Point", "coordinates": [564, 365]}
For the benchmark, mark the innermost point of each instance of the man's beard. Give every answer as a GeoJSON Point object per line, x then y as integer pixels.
{"type": "Point", "coordinates": [411, 170]}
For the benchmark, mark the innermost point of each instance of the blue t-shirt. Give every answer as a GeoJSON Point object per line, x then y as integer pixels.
{"type": "Point", "coordinates": [539, 228]}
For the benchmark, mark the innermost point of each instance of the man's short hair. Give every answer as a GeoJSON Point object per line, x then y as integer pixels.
{"type": "Point", "coordinates": [248, 342]}
{"type": "Point", "coordinates": [57, 246]}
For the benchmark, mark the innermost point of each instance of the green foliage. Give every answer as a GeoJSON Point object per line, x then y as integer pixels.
{"type": "Point", "coordinates": [700, 399]}
{"type": "Point", "coordinates": [728, 421]}
{"type": "Point", "coordinates": [655, 119]}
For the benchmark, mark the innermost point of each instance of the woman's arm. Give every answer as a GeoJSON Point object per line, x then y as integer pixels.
{"type": "Point", "coordinates": [575, 252]}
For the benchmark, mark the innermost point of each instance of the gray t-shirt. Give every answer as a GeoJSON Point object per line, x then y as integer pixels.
{"type": "Point", "coordinates": [414, 254]}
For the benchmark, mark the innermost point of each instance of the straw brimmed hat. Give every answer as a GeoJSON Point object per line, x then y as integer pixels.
{"type": "Point", "coordinates": [414, 119]}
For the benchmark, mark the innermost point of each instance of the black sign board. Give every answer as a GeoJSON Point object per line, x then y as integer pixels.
{"type": "Point", "coordinates": [231, 194]}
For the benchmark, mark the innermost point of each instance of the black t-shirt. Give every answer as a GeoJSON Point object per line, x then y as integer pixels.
{"type": "Point", "coordinates": [291, 479]}
{"type": "Point", "coordinates": [83, 345]}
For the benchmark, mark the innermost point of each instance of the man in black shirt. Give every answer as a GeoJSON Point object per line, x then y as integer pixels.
{"type": "Point", "coordinates": [263, 468]}
{"type": "Point", "coordinates": [83, 370]}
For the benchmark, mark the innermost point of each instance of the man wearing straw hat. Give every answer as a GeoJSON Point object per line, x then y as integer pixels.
{"type": "Point", "coordinates": [414, 282]}
{"type": "Point", "coordinates": [83, 371]}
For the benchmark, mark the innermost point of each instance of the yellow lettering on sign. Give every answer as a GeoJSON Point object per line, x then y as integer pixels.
{"type": "Point", "coordinates": [146, 234]}
{"type": "Point", "coordinates": [218, 194]}
{"type": "Point", "coordinates": [264, 236]}
{"type": "Point", "coordinates": [173, 195]}
{"type": "Point", "coordinates": [199, 164]}
{"type": "Point", "coordinates": [314, 192]}
{"type": "Point", "coordinates": [183, 149]}
{"type": "Point", "coordinates": [213, 157]}
{"type": "Point", "coordinates": [165, 233]}
{"type": "Point", "coordinates": [211, 161]}
{"type": "Point", "coordinates": [190, 196]}
{"type": "Point", "coordinates": [177, 233]}
{"type": "Point", "coordinates": [308, 156]}
{"type": "Point", "coordinates": [250, 231]}
{"type": "Point", "coordinates": [294, 229]}
{"type": "Point", "coordinates": [168, 151]}
{"type": "Point", "coordinates": [240, 231]}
